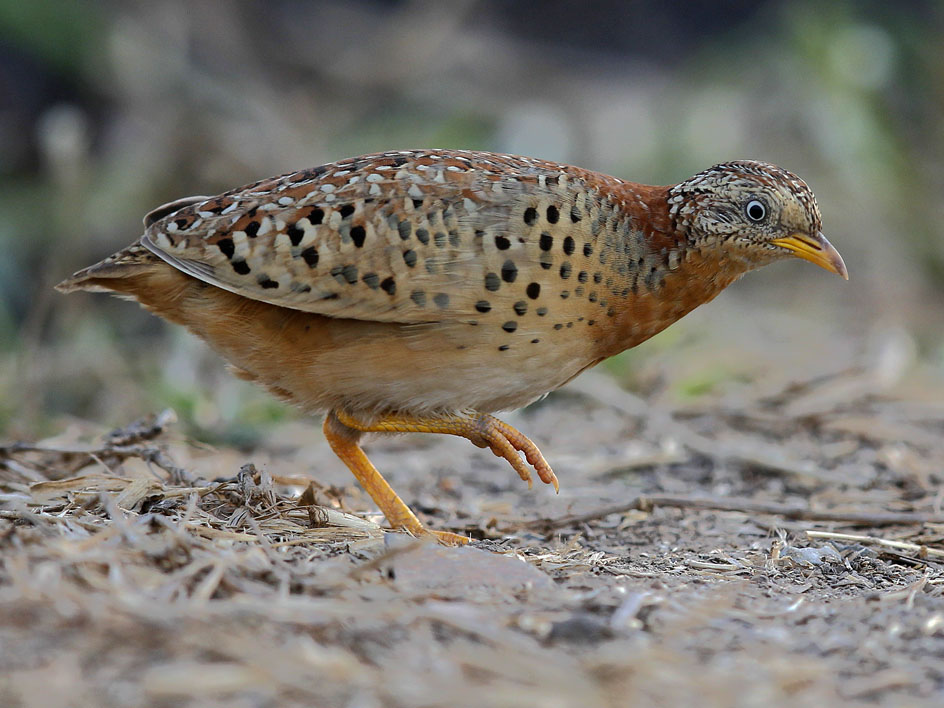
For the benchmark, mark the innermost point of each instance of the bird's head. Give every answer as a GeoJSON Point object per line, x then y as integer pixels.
{"type": "Point", "coordinates": [756, 213]}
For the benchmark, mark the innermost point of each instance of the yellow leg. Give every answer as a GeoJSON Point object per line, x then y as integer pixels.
{"type": "Point", "coordinates": [482, 429]}
{"type": "Point", "coordinates": [343, 440]}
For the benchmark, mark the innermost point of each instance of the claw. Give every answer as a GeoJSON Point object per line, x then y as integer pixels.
{"type": "Point", "coordinates": [507, 442]}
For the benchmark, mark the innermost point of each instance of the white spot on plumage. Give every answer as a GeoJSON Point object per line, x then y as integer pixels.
{"type": "Point", "coordinates": [374, 177]}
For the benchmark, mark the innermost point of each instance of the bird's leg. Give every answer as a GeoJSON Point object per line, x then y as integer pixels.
{"type": "Point", "coordinates": [343, 440]}
{"type": "Point", "coordinates": [482, 429]}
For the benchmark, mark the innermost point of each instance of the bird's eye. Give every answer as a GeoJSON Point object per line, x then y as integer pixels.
{"type": "Point", "coordinates": [756, 210]}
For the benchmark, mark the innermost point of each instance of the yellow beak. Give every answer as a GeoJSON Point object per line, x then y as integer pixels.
{"type": "Point", "coordinates": [815, 249]}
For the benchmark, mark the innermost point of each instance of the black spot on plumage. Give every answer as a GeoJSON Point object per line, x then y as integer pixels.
{"type": "Point", "coordinates": [358, 234]}
{"type": "Point", "coordinates": [597, 277]}
{"type": "Point", "coordinates": [590, 323]}
{"type": "Point", "coordinates": [389, 286]}
{"type": "Point", "coordinates": [454, 239]}
{"type": "Point", "coordinates": [541, 311]}
{"type": "Point", "coordinates": [504, 347]}
{"type": "Point", "coordinates": [419, 297]}
{"type": "Point", "coordinates": [405, 228]}
{"type": "Point", "coordinates": [441, 300]}
{"type": "Point", "coordinates": [240, 266]}
{"type": "Point", "coordinates": [267, 283]}
{"type": "Point", "coordinates": [349, 272]}
{"type": "Point", "coordinates": [316, 216]}
{"type": "Point", "coordinates": [582, 276]}
{"type": "Point", "coordinates": [569, 246]}
{"type": "Point", "coordinates": [294, 234]}
{"type": "Point", "coordinates": [530, 216]}
{"type": "Point", "coordinates": [417, 203]}
{"type": "Point", "coordinates": [575, 214]}
{"type": "Point", "coordinates": [346, 210]}
{"type": "Point", "coordinates": [565, 270]}
{"type": "Point", "coordinates": [502, 243]}
{"type": "Point", "coordinates": [565, 294]}
{"type": "Point", "coordinates": [330, 296]}
{"type": "Point", "coordinates": [509, 271]}
{"type": "Point", "coordinates": [546, 260]}
{"type": "Point", "coordinates": [553, 215]}
{"type": "Point", "coordinates": [483, 306]}
{"type": "Point", "coordinates": [371, 280]}
{"type": "Point", "coordinates": [520, 307]}
{"type": "Point", "coordinates": [252, 228]}
{"type": "Point", "coordinates": [587, 249]}
{"type": "Point", "coordinates": [492, 282]}
{"type": "Point", "coordinates": [409, 257]}
{"type": "Point", "coordinates": [422, 235]}
{"type": "Point", "coordinates": [546, 242]}
{"type": "Point", "coordinates": [310, 255]}
{"type": "Point", "coordinates": [592, 297]}
{"type": "Point", "coordinates": [439, 238]}
{"type": "Point", "coordinates": [510, 326]}
{"type": "Point", "coordinates": [535, 341]}
{"type": "Point", "coordinates": [533, 290]}
{"type": "Point", "coordinates": [226, 247]}
{"type": "Point", "coordinates": [558, 326]}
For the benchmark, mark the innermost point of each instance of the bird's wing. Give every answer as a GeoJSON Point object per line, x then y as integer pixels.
{"type": "Point", "coordinates": [399, 237]}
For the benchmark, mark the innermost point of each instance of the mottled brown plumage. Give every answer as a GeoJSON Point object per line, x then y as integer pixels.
{"type": "Point", "coordinates": [422, 290]}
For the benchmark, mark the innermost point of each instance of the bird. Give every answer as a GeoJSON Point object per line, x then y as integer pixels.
{"type": "Point", "coordinates": [426, 290]}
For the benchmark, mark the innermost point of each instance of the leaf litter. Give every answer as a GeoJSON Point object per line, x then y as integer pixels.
{"type": "Point", "coordinates": [782, 549]}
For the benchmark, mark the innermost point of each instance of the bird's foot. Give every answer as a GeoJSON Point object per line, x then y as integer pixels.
{"type": "Point", "coordinates": [506, 442]}
{"type": "Point", "coordinates": [448, 538]}
{"type": "Point", "coordinates": [485, 431]}
{"type": "Point", "coordinates": [342, 438]}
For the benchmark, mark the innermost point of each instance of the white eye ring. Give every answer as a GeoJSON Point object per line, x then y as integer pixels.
{"type": "Point", "coordinates": [756, 210]}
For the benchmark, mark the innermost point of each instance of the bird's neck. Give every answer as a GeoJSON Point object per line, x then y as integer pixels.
{"type": "Point", "coordinates": [669, 272]}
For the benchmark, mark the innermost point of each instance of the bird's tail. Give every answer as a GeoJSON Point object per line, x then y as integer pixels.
{"type": "Point", "coordinates": [109, 274]}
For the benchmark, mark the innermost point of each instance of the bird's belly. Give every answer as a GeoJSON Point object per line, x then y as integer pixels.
{"type": "Point", "coordinates": [320, 363]}
{"type": "Point", "coordinates": [375, 367]}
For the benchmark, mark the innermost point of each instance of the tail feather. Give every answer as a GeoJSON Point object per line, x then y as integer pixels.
{"type": "Point", "coordinates": [126, 262]}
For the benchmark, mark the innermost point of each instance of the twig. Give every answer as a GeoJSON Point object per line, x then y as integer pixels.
{"type": "Point", "coordinates": [795, 513]}
{"type": "Point", "coordinates": [922, 551]}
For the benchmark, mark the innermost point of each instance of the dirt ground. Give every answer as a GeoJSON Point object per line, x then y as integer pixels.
{"type": "Point", "coordinates": [783, 545]}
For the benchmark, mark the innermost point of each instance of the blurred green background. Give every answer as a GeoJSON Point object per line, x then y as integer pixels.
{"type": "Point", "coordinates": [108, 109]}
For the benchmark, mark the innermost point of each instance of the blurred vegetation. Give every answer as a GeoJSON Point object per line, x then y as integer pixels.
{"type": "Point", "coordinates": [109, 108]}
